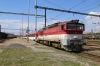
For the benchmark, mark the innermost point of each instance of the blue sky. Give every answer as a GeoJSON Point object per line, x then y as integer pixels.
{"type": "Point", "coordinates": [21, 6]}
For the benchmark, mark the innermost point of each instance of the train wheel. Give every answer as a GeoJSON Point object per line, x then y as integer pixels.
{"type": "Point", "coordinates": [50, 43]}
{"type": "Point", "coordinates": [59, 45]}
{"type": "Point", "coordinates": [38, 41]}
{"type": "Point", "coordinates": [81, 48]}
{"type": "Point", "coordinates": [67, 49]}
{"type": "Point", "coordinates": [47, 43]}
{"type": "Point", "coordinates": [43, 42]}
{"type": "Point", "coordinates": [77, 48]}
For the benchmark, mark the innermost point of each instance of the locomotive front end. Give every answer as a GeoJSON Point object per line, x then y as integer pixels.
{"type": "Point", "coordinates": [73, 36]}
{"type": "Point", "coordinates": [75, 44]}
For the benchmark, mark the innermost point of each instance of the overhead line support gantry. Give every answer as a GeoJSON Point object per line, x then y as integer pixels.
{"type": "Point", "coordinates": [68, 11]}
{"type": "Point", "coordinates": [20, 14]}
{"type": "Point", "coordinates": [54, 9]}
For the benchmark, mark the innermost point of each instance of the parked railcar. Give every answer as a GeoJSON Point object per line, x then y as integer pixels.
{"type": "Point", "coordinates": [66, 35]}
{"type": "Point", "coordinates": [11, 36]}
{"type": "Point", "coordinates": [3, 35]}
{"type": "Point", "coordinates": [32, 36]}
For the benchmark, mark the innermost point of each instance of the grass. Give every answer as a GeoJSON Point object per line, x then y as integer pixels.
{"type": "Point", "coordinates": [90, 40]}
{"type": "Point", "coordinates": [91, 63]}
{"type": "Point", "coordinates": [94, 40]}
{"type": "Point", "coordinates": [26, 57]}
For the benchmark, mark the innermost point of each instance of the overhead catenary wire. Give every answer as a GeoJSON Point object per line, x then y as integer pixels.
{"type": "Point", "coordinates": [89, 5]}
{"type": "Point", "coordinates": [57, 5]}
{"type": "Point", "coordinates": [84, 7]}
{"type": "Point", "coordinates": [67, 11]}
{"type": "Point", "coordinates": [19, 13]}
{"type": "Point", "coordinates": [70, 8]}
{"type": "Point", "coordinates": [64, 2]}
{"type": "Point", "coordinates": [89, 8]}
{"type": "Point", "coordinates": [64, 8]}
{"type": "Point", "coordinates": [14, 29]}
{"type": "Point", "coordinates": [77, 4]}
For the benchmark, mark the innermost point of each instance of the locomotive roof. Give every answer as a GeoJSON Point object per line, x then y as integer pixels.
{"type": "Point", "coordinates": [56, 24]}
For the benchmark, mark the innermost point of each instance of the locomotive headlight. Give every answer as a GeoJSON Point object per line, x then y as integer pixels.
{"type": "Point", "coordinates": [81, 43]}
{"type": "Point", "coordinates": [81, 40]}
{"type": "Point", "coordinates": [75, 37]}
{"type": "Point", "coordinates": [68, 40]}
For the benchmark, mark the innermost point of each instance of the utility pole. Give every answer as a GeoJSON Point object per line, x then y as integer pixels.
{"type": "Point", "coordinates": [22, 27]}
{"type": "Point", "coordinates": [20, 31]}
{"type": "Point", "coordinates": [45, 18]}
{"type": "Point", "coordinates": [28, 19]}
{"type": "Point", "coordinates": [0, 28]}
{"type": "Point", "coordinates": [36, 21]}
{"type": "Point", "coordinates": [35, 16]}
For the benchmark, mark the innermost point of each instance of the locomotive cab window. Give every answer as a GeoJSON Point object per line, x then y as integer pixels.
{"type": "Point", "coordinates": [80, 27]}
{"type": "Point", "coordinates": [62, 27]}
{"type": "Point", "coordinates": [71, 26]}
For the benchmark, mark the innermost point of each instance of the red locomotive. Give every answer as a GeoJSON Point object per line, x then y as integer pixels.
{"type": "Point", "coordinates": [66, 35]}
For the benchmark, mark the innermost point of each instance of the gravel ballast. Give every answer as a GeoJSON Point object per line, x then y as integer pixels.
{"type": "Point", "coordinates": [15, 45]}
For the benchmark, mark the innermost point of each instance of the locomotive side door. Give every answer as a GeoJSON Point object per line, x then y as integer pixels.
{"type": "Point", "coordinates": [62, 35]}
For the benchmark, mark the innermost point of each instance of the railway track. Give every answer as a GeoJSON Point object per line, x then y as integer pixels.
{"type": "Point", "coordinates": [90, 56]}
{"type": "Point", "coordinates": [2, 40]}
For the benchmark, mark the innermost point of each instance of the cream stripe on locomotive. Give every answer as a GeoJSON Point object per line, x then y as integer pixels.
{"type": "Point", "coordinates": [56, 38]}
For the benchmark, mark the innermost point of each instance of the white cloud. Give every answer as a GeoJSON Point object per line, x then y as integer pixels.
{"type": "Point", "coordinates": [10, 21]}
{"type": "Point", "coordinates": [55, 21]}
{"type": "Point", "coordinates": [17, 24]}
{"type": "Point", "coordinates": [98, 27]}
{"type": "Point", "coordinates": [42, 24]}
{"type": "Point", "coordinates": [92, 22]}
{"type": "Point", "coordinates": [93, 19]}
{"type": "Point", "coordinates": [4, 25]}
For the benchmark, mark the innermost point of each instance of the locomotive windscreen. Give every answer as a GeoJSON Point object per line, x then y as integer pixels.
{"type": "Point", "coordinates": [71, 26]}
{"type": "Point", "coordinates": [76, 26]}
{"type": "Point", "coordinates": [80, 27]}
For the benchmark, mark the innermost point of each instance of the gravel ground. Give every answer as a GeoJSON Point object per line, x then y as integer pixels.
{"type": "Point", "coordinates": [39, 50]}
{"type": "Point", "coordinates": [19, 43]}
{"type": "Point", "coordinates": [15, 46]}
{"type": "Point", "coordinates": [1, 50]}
{"type": "Point", "coordinates": [70, 58]}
